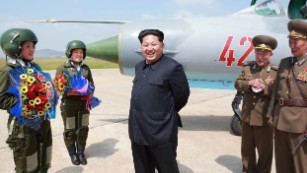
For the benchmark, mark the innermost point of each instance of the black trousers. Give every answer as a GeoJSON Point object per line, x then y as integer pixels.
{"type": "Point", "coordinates": [147, 158]}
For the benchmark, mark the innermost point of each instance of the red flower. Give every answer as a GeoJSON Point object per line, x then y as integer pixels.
{"type": "Point", "coordinates": [40, 78]}
{"type": "Point", "coordinates": [30, 106]}
{"type": "Point", "coordinates": [40, 107]}
{"type": "Point", "coordinates": [43, 99]}
{"type": "Point", "coordinates": [31, 94]}
{"type": "Point", "coordinates": [39, 88]}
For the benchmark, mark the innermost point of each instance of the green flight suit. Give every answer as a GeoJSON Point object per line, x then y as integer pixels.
{"type": "Point", "coordinates": [74, 110]}
{"type": "Point", "coordinates": [31, 148]}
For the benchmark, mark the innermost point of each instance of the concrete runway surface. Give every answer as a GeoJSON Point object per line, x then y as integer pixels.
{"type": "Point", "coordinates": [206, 144]}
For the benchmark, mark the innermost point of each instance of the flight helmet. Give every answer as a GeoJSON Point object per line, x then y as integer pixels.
{"type": "Point", "coordinates": [75, 44]}
{"type": "Point", "coordinates": [11, 41]}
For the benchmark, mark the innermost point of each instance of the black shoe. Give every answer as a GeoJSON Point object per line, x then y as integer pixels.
{"type": "Point", "coordinates": [74, 159]}
{"type": "Point", "coordinates": [80, 153]}
{"type": "Point", "coordinates": [82, 159]}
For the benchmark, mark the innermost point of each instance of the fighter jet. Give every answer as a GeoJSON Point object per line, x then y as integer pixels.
{"type": "Point", "coordinates": [210, 48]}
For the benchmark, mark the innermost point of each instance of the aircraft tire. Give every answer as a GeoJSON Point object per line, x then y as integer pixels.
{"type": "Point", "coordinates": [236, 125]}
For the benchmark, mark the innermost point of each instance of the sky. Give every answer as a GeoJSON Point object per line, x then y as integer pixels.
{"type": "Point", "coordinates": [16, 13]}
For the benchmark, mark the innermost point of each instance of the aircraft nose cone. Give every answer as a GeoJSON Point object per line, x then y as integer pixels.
{"type": "Point", "coordinates": [106, 49]}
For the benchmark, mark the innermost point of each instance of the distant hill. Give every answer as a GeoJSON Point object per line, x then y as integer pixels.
{"type": "Point", "coordinates": [44, 53]}
{"type": "Point", "coordinates": [48, 53]}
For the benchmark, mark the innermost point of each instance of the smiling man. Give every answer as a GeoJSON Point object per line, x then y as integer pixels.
{"type": "Point", "coordinates": [288, 106]}
{"type": "Point", "coordinates": [256, 81]}
{"type": "Point", "coordinates": [160, 90]}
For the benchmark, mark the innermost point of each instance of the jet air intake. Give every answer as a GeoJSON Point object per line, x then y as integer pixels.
{"type": "Point", "coordinates": [106, 49]}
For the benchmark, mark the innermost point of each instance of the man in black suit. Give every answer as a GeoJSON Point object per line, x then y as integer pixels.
{"type": "Point", "coordinates": [160, 89]}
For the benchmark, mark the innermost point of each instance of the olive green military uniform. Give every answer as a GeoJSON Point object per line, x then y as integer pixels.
{"type": "Point", "coordinates": [288, 107]}
{"type": "Point", "coordinates": [74, 112]}
{"type": "Point", "coordinates": [31, 149]}
{"type": "Point", "coordinates": [255, 131]}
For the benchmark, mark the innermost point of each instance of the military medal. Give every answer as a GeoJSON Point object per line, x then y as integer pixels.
{"type": "Point", "coordinates": [302, 75]}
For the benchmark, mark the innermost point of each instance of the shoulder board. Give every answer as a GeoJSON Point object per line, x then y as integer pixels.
{"type": "Point", "coordinates": [274, 67]}
{"type": "Point", "coordinates": [249, 63]}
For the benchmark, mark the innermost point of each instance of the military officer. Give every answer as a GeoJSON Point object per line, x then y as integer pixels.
{"type": "Point", "coordinates": [288, 105]}
{"type": "Point", "coordinates": [256, 81]}
{"type": "Point", "coordinates": [75, 109]}
{"type": "Point", "coordinates": [27, 93]}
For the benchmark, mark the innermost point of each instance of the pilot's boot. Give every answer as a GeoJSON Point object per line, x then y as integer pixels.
{"type": "Point", "coordinates": [73, 155]}
{"type": "Point", "coordinates": [80, 153]}
{"type": "Point", "coordinates": [43, 170]}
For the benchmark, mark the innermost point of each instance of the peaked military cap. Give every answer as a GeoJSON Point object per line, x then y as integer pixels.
{"type": "Point", "coordinates": [297, 29]}
{"type": "Point", "coordinates": [264, 42]}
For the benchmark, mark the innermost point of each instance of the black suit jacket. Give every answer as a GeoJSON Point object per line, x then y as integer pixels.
{"type": "Point", "coordinates": [159, 91]}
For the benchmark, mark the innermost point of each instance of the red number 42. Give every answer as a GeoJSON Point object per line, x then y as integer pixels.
{"type": "Point", "coordinates": [231, 58]}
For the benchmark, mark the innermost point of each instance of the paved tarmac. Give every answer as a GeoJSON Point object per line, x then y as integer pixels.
{"type": "Point", "coordinates": [206, 144]}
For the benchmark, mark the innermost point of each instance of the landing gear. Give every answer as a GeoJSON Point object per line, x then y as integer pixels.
{"type": "Point", "coordinates": [236, 121]}
{"type": "Point", "coordinates": [236, 125]}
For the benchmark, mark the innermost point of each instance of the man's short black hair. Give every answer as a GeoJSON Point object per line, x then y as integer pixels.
{"type": "Point", "coordinates": [155, 32]}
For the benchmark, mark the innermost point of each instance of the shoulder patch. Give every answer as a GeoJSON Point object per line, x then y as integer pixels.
{"type": "Point", "coordinates": [249, 63]}
{"type": "Point", "coordinates": [274, 67]}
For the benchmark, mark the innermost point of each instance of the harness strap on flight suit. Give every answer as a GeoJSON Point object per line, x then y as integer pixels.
{"type": "Point", "coordinates": [21, 132]}
{"type": "Point", "coordinates": [11, 127]}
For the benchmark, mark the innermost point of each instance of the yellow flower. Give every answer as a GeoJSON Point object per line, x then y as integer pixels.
{"type": "Point", "coordinates": [61, 87]}
{"type": "Point", "coordinates": [23, 76]}
{"type": "Point", "coordinates": [30, 80]}
{"type": "Point", "coordinates": [30, 71]}
{"type": "Point", "coordinates": [24, 108]}
{"type": "Point", "coordinates": [24, 89]}
{"type": "Point", "coordinates": [47, 105]}
{"type": "Point", "coordinates": [23, 97]}
{"type": "Point", "coordinates": [27, 112]}
{"type": "Point", "coordinates": [40, 113]}
{"type": "Point", "coordinates": [37, 101]}
{"type": "Point", "coordinates": [23, 114]}
{"type": "Point", "coordinates": [47, 85]}
{"type": "Point", "coordinates": [31, 102]}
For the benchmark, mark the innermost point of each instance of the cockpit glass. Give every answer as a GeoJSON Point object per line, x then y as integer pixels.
{"type": "Point", "coordinates": [268, 8]}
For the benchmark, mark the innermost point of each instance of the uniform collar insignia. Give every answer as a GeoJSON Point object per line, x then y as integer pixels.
{"type": "Point", "coordinates": [268, 69]}
{"type": "Point", "coordinates": [301, 61]}
{"type": "Point", "coordinates": [293, 60]}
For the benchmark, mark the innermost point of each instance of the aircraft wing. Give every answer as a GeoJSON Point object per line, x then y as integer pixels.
{"type": "Point", "coordinates": [210, 49]}
{"type": "Point", "coordinates": [79, 21]}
